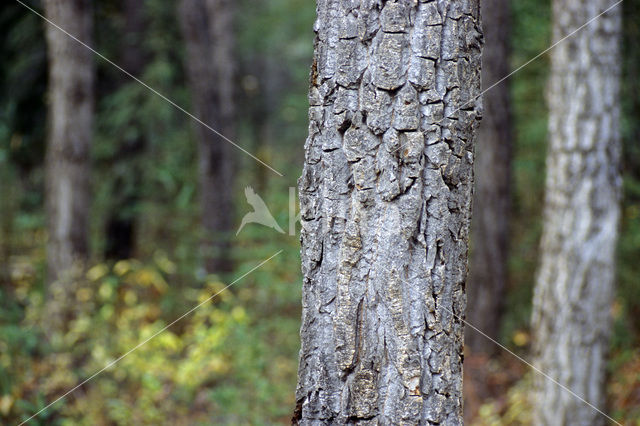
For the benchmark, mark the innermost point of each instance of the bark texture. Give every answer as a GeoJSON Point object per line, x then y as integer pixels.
{"type": "Point", "coordinates": [385, 203]}
{"type": "Point", "coordinates": [70, 103]}
{"type": "Point", "coordinates": [574, 290]}
{"type": "Point", "coordinates": [490, 224]}
{"type": "Point", "coordinates": [207, 27]}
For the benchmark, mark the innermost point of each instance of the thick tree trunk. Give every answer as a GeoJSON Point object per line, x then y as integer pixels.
{"type": "Point", "coordinates": [121, 222]}
{"type": "Point", "coordinates": [385, 202]}
{"type": "Point", "coordinates": [71, 74]}
{"type": "Point", "coordinates": [208, 33]}
{"type": "Point", "coordinates": [490, 224]}
{"type": "Point", "coordinates": [574, 290]}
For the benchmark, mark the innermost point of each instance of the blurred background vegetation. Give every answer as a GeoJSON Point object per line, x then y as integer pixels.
{"type": "Point", "coordinates": [234, 361]}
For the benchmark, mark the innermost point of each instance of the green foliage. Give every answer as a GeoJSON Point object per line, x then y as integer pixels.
{"type": "Point", "coordinates": [22, 84]}
{"type": "Point", "coordinates": [232, 360]}
{"type": "Point", "coordinates": [629, 244]}
{"type": "Point", "coordinates": [275, 42]}
{"type": "Point", "coordinates": [515, 410]}
{"type": "Point", "coordinates": [530, 36]}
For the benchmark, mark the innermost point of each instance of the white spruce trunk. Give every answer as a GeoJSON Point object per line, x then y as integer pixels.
{"type": "Point", "coordinates": [70, 115]}
{"type": "Point", "coordinates": [492, 170]}
{"type": "Point", "coordinates": [385, 203]}
{"type": "Point", "coordinates": [575, 284]}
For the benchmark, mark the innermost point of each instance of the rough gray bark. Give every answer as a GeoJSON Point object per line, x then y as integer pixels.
{"type": "Point", "coordinates": [490, 224]}
{"type": "Point", "coordinates": [70, 114]}
{"type": "Point", "coordinates": [207, 27]}
{"type": "Point", "coordinates": [385, 203]}
{"type": "Point", "coordinates": [571, 318]}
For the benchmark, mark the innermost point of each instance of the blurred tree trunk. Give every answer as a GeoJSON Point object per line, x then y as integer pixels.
{"type": "Point", "coordinates": [490, 224]}
{"type": "Point", "coordinates": [385, 203]}
{"type": "Point", "coordinates": [207, 28]}
{"type": "Point", "coordinates": [121, 222]}
{"type": "Point", "coordinates": [70, 103]}
{"type": "Point", "coordinates": [575, 284]}
{"type": "Point", "coordinates": [7, 211]}
{"type": "Point", "coordinates": [263, 106]}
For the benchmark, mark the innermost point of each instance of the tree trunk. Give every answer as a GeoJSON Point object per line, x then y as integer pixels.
{"type": "Point", "coordinates": [574, 291]}
{"type": "Point", "coordinates": [208, 34]}
{"type": "Point", "coordinates": [121, 222]}
{"type": "Point", "coordinates": [490, 224]}
{"type": "Point", "coordinates": [71, 74]}
{"type": "Point", "coordinates": [385, 203]}
{"type": "Point", "coordinates": [7, 207]}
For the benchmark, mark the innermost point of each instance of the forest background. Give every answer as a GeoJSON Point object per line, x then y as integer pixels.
{"type": "Point", "coordinates": [234, 361]}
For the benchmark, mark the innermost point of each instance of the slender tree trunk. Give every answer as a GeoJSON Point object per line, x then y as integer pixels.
{"type": "Point", "coordinates": [7, 209]}
{"type": "Point", "coordinates": [208, 34]}
{"type": "Point", "coordinates": [272, 82]}
{"type": "Point", "coordinates": [574, 290]}
{"type": "Point", "coordinates": [71, 74]}
{"type": "Point", "coordinates": [490, 224]}
{"type": "Point", "coordinates": [121, 222]}
{"type": "Point", "coordinates": [386, 202]}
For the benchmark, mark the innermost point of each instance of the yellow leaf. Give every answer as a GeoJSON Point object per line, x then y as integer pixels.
{"type": "Point", "coordinates": [170, 341]}
{"type": "Point", "coordinates": [6, 402]}
{"type": "Point", "coordinates": [97, 272]}
{"type": "Point", "coordinates": [144, 277]}
{"type": "Point", "coordinates": [130, 297]}
{"type": "Point", "coordinates": [238, 314]}
{"type": "Point", "coordinates": [217, 364]}
{"type": "Point", "coordinates": [122, 267]}
{"type": "Point", "coordinates": [164, 263]}
{"type": "Point", "coordinates": [83, 294]}
{"type": "Point", "coordinates": [149, 277]}
{"type": "Point", "coordinates": [106, 291]}
{"type": "Point", "coordinates": [520, 338]}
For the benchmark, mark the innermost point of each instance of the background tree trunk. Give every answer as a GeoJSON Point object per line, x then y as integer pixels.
{"type": "Point", "coordinates": [385, 203]}
{"type": "Point", "coordinates": [490, 224]}
{"type": "Point", "coordinates": [121, 223]}
{"type": "Point", "coordinates": [7, 206]}
{"type": "Point", "coordinates": [574, 291]}
{"type": "Point", "coordinates": [71, 75]}
{"type": "Point", "coordinates": [207, 28]}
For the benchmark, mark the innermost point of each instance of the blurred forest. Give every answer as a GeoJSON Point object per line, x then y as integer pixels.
{"type": "Point", "coordinates": [234, 361]}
